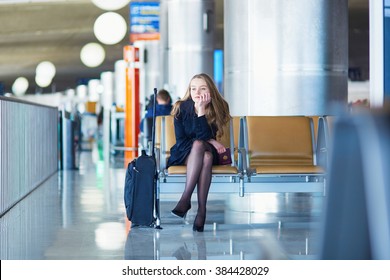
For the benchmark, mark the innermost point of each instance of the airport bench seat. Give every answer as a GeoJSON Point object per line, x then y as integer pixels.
{"type": "Point", "coordinates": [280, 151]}
{"type": "Point", "coordinates": [270, 154]}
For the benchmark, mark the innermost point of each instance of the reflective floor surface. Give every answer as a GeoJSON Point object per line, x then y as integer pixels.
{"type": "Point", "coordinates": [79, 214]}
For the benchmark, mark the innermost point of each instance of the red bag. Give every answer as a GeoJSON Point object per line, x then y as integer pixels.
{"type": "Point", "coordinates": [225, 158]}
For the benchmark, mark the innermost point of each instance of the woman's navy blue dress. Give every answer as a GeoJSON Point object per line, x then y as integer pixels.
{"type": "Point", "coordinates": [188, 128]}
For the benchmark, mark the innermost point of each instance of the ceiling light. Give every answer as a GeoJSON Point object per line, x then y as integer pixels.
{"type": "Point", "coordinates": [110, 28]}
{"type": "Point", "coordinates": [43, 81]}
{"type": "Point", "coordinates": [20, 86]}
{"type": "Point", "coordinates": [92, 54]}
{"type": "Point", "coordinates": [111, 5]}
{"type": "Point", "coordinates": [46, 69]}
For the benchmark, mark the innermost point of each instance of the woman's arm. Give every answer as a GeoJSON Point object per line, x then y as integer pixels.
{"type": "Point", "coordinates": [217, 145]}
{"type": "Point", "coordinates": [207, 133]}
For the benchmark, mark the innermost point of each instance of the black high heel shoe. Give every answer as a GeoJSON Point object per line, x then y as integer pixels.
{"type": "Point", "coordinates": [196, 227]}
{"type": "Point", "coordinates": [180, 214]}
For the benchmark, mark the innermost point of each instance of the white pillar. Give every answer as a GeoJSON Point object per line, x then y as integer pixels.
{"type": "Point", "coordinates": [191, 32]}
{"type": "Point", "coordinates": [285, 57]}
{"type": "Point", "coordinates": [107, 81]}
{"type": "Point", "coordinates": [376, 54]}
{"type": "Point", "coordinates": [120, 83]}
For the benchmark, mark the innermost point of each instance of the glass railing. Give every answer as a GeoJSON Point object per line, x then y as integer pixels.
{"type": "Point", "coordinates": [28, 148]}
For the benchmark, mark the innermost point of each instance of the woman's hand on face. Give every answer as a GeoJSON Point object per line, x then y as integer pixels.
{"type": "Point", "coordinates": [200, 103]}
{"type": "Point", "coordinates": [202, 100]}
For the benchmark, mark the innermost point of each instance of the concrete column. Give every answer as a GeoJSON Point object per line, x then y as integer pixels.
{"type": "Point", "coordinates": [164, 46]}
{"type": "Point", "coordinates": [149, 67]}
{"type": "Point", "coordinates": [285, 57]}
{"type": "Point", "coordinates": [386, 36]}
{"type": "Point", "coordinates": [376, 54]}
{"type": "Point", "coordinates": [120, 83]}
{"type": "Point", "coordinates": [107, 81]}
{"type": "Point", "coordinates": [189, 42]}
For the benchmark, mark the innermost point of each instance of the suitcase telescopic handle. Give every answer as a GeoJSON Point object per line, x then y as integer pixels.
{"type": "Point", "coordinates": [154, 123]}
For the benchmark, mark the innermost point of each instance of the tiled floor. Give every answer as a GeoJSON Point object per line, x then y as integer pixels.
{"type": "Point", "coordinates": [79, 214]}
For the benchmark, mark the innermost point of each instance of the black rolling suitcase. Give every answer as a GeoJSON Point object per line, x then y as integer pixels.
{"type": "Point", "coordinates": [140, 186]}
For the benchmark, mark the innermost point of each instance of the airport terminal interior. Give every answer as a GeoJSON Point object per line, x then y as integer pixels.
{"type": "Point", "coordinates": [80, 214]}
{"type": "Point", "coordinates": [309, 133]}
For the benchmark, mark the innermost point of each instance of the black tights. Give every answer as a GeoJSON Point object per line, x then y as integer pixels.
{"type": "Point", "coordinates": [199, 164]}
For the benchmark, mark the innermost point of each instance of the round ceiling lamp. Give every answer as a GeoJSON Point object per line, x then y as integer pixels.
{"type": "Point", "coordinates": [111, 5]}
{"type": "Point", "coordinates": [20, 86]}
{"type": "Point", "coordinates": [110, 28]}
{"type": "Point", "coordinates": [92, 55]}
{"type": "Point", "coordinates": [46, 69]}
{"type": "Point", "coordinates": [43, 81]}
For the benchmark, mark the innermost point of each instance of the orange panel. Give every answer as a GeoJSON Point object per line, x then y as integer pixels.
{"type": "Point", "coordinates": [90, 107]}
{"type": "Point", "coordinates": [132, 110]}
{"type": "Point", "coordinates": [144, 36]}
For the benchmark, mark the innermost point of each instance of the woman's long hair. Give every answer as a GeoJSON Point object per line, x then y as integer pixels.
{"type": "Point", "coordinates": [217, 111]}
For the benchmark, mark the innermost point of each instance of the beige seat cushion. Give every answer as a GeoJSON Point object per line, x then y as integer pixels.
{"type": "Point", "coordinates": [217, 169]}
{"type": "Point", "coordinates": [288, 169]}
{"type": "Point", "coordinates": [282, 144]}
